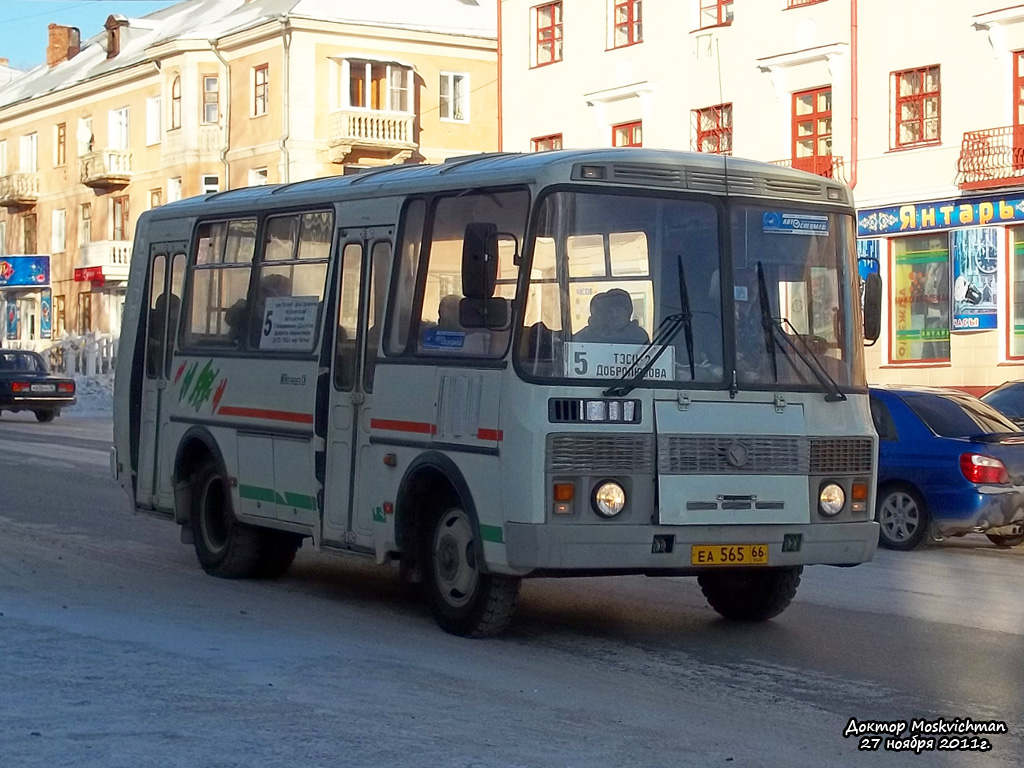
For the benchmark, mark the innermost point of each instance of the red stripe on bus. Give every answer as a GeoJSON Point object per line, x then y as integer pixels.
{"type": "Point", "coordinates": [419, 427]}
{"type": "Point", "coordinates": [490, 434]}
{"type": "Point", "coordinates": [260, 413]}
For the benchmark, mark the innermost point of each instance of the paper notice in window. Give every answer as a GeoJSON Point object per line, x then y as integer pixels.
{"type": "Point", "coordinates": [289, 323]}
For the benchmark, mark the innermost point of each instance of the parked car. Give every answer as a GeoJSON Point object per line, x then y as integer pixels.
{"type": "Point", "coordinates": [1008, 399]}
{"type": "Point", "coordinates": [26, 384]}
{"type": "Point", "coordinates": [948, 465]}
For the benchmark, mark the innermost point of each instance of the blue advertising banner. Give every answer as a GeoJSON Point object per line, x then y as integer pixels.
{"type": "Point", "coordinates": [12, 318]}
{"type": "Point", "coordinates": [868, 257]}
{"type": "Point", "coordinates": [975, 255]}
{"type": "Point", "coordinates": [46, 314]}
{"type": "Point", "coordinates": [24, 271]}
{"type": "Point", "coordinates": [941, 214]}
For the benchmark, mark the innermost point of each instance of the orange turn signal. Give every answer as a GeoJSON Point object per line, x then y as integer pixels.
{"type": "Point", "coordinates": [564, 491]}
{"type": "Point", "coordinates": [860, 492]}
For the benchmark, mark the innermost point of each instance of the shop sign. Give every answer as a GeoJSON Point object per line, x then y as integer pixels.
{"type": "Point", "coordinates": [942, 214]}
{"type": "Point", "coordinates": [46, 314]}
{"type": "Point", "coordinates": [24, 271]}
{"type": "Point", "coordinates": [88, 274]}
{"type": "Point", "coordinates": [975, 255]}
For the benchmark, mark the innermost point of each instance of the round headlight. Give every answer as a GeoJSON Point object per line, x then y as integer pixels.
{"type": "Point", "coordinates": [609, 499]}
{"type": "Point", "coordinates": [831, 499]}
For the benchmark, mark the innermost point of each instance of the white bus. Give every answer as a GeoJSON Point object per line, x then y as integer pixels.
{"type": "Point", "coordinates": [568, 363]}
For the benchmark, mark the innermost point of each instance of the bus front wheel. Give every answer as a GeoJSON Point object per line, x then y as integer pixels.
{"type": "Point", "coordinates": [464, 599]}
{"type": "Point", "coordinates": [750, 594]}
{"type": "Point", "coordinates": [225, 547]}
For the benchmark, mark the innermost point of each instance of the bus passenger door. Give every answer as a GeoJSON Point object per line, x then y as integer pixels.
{"type": "Point", "coordinates": [166, 274]}
{"type": "Point", "coordinates": [365, 253]}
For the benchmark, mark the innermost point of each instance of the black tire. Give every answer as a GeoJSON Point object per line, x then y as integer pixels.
{"type": "Point", "coordinates": [464, 599]}
{"type": "Point", "coordinates": [45, 416]}
{"type": "Point", "coordinates": [225, 547]}
{"type": "Point", "coordinates": [750, 594]}
{"type": "Point", "coordinates": [902, 516]}
{"type": "Point", "coordinates": [277, 554]}
{"type": "Point", "coordinates": [1005, 541]}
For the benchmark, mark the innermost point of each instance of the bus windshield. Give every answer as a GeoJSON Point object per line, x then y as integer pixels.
{"type": "Point", "coordinates": [611, 273]}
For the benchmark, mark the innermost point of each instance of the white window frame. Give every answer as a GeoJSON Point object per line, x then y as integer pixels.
{"type": "Point", "coordinates": [3, 238]}
{"type": "Point", "coordinates": [3, 157]}
{"type": "Point", "coordinates": [174, 190]}
{"type": "Point", "coordinates": [28, 153]}
{"type": "Point", "coordinates": [457, 84]}
{"type": "Point", "coordinates": [118, 136]}
{"type": "Point", "coordinates": [154, 120]}
{"type": "Point", "coordinates": [58, 231]}
{"type": "Point", "coordinates": [399, 79]}
{"type": "Point", "coordinates": [205, 117]}
{"type": "Point", "coordinates": [208, 183]}
{"type": "Point", "coordinates": [84, 224]}
{"type": "Point", "coordinates": [258, 177]}
{"type": "Point", "coordinates": [83, 136]}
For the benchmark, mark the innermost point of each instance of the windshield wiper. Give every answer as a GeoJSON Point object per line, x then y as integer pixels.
{"type": "Point", "coordinates": [770, 344]}
{"type": "Point", "coordinates": [663, 336]}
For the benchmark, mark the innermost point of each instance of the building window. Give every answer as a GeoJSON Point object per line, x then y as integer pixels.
{"type": "Point", "coordinates": [60, 143]}
{"type": "Point", "coordinates": [547, 22]}
{"type": "Point", "coordinates": [545, 143]}
{"type": "Point", "coordinates": [260, 89]}
{"type": "Point", "coordinates": [156, 198]}
{"type": "Point", "coordinates": [59, 316]}
{"type": "Point", "coordinates": [715, 13]}
{"type": "Point", "coordinates": [174, 189]}
{"type": "Point", "coordinates": [58, 231]}
{"type": "Point", "coordinates": [626, 23]}
{"type": "Point", "coordinates": [3, 238]}
{"type": "Point", "coordinates": [454, 96]}
{"type": "Point", "coordinates": [713, 129]}
{"type": "Point", "coordinates": [85, 224]}
{"type": "Point", "coordinates": [28, 155]}
{"type": "Point", "coordinates": [812, 131]}
{"type": "Point", "coordinates": [84, 325]}
{"type": "Point", "coordinates": [379, 85]}
{"type": "Point", "coordinates": [28, 233]}
{"type": "Point", "coordinates": [920, 306]}
{"type": "Point", "coordinates": [209, 183]}
{"type": "Point", "coordinates": [84, 136]}
{"type": "Point", "coordinates": [1015, 340]}
{"type": "Point", "coordinates": [176, 103]}
{"type": "Point", "coordinates": [117, 123]}
{"type": "Point", "coordinates": [916, 95]}
{"type": "Point", "coordinates": [628, 135]}
{"type": "Point", "coordinates": [257, 177]}
{"type": "Point", "coordinates": [154, 111]}
{"type": "Point", "coordinates": [211, 99]}
{"type": "Point", "coordinates": [119, 218]}
{"type": "Point", "coordinates": [3, 157]}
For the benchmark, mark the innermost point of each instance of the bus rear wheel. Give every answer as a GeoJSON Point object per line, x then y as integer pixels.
{"type": "Point", "coordinates": [224, 546]}
{"type": "Point", "coordinates": [750, 594]}
{"type": "Point", "coordinates": [463, 598]}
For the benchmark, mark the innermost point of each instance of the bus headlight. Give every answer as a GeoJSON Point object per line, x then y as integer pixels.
{"type": "Point", "coordinates": [831, 499]}
{"type": "Point", "coordinates": [609, 498]}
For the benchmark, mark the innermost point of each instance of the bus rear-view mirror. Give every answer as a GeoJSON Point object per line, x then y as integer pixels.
{"type": "Point", "coordinates": [872, 307]}
{"type": "Point", "coordinates": [479, 260]}
{"type": "Point", "coordinates": [490, 313]}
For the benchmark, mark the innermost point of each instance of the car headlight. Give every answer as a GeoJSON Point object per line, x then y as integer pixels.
{"type": "Point", "coordinates": [831, 499]}
{"type": "Point", "coordinates": [609, 498]}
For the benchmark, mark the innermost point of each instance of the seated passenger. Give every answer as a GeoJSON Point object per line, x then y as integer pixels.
{"type": "Point", "coordinates": [611, 320]}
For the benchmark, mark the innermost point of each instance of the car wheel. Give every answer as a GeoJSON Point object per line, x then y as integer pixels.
{"type": "Point", "coordinates": [902, 517]}
{"type": "Point", "coordinates": [463, 598]}
{"type": "Point", "coordinates": [750, 594]}
{"type": "Point", "coordinates": [45, 416]}
{"type": "Point", "coordinates": [1005, 541]}
{"type": "Point", "coordinates": [224, 546]}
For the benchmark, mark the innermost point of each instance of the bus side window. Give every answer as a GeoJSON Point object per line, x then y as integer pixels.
{"type": "Point", "coordinates": [345, 357]}
{"type": "Point", "coordinates": [218, 284]}
{"type": "Point", "coordinates": [156, 331]}
{"type": "Point", "coordinates": [380, 272]}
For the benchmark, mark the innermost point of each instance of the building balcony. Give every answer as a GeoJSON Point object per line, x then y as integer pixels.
{"type": "Point", "coordinates": [387, 132]}
{"type": "Point", "coordinates": [829, 166]}
{"type": "Point", "coordinates": [19, 190]}
{"type": "Point", "coordinates": [993, 157]}
{"type": "Point", "coordinates": [104, 261]}
{"type": "Point", "coordinates": [106, 169]}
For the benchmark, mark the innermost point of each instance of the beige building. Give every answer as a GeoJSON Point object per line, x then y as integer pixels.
{"type": "Point", "coordinates": [209, 95]}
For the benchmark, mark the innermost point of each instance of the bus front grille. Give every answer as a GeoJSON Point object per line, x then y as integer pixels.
{"type": "Point", "coordinates": [834, 455]}
{"type": "Point", "coordinates": [763, 454]}
{"type": "Point", "coordinates": [621, 454]}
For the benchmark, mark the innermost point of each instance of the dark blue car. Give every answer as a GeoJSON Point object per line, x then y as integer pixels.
{"type": "Point", "coordinates": [948, 465]}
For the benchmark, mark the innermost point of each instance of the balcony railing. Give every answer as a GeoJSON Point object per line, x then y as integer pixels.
{"type": "Point", "coordinates": [829, 166]}
{"type": "Point", "coordinates": [991, 158]}
{"type": "Point", "coordinates": [19, 189]}
{"type": "Point", "coordinates": [351, 129]}
{"type": "Point", "coordinates": [104, 260]}
{"type": "Point", "coordinates": [106, 168]}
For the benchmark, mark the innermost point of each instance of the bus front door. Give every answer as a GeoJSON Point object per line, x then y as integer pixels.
{"type": "Point", "coordinates": [166, 275]}
{"type": "Point", "coordinates": [363, 275]}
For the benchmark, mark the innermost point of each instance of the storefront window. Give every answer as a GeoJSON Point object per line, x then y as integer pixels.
{"type": "Point", "coordinates": [920, 311]}
{"type": "Point", "coordinates": [1015, 343]}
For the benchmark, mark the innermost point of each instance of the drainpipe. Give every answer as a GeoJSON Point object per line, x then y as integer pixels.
{"type": "Point", "coordinates": [853, 94]}
{"type": "Point", "coordinates": [227, 115]}
{"type": "Point", "coordinates": [500, 127]}
{"type": "Point", "coordinates": [283, 143]}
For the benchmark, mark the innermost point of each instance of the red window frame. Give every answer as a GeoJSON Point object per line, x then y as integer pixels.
{"type": "Point", "coordinates": [713, 129]}
{"type": "Point", "coordinates": [260, 90]}
{"type": "Point", "coordinates": [819, 122]}
{"type": "Point", "coordinates": [635, 131]}
{"type": "Point", "coordinates": [548, 34]}
{"type": "Point", "coordinates": [546, 143]}
{"type": "Point", "coordinates": [631, 22]}
{"type": "Point", "coordinates": [1018, 110]}
{"type": "Point", "coordinates": [920, 99]}
{"type": "Point", "coordinates": [722, 13]}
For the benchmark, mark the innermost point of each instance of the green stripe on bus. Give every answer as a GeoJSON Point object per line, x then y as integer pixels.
{"type": "Point", "coordinates": [256, 493]}
{"type": "Point", "coordinates": [299, 500]}
{"type": "Point", "coordinates": [492, 533]}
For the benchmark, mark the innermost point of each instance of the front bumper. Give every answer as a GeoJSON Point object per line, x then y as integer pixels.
{"type": "Point", "coordinates": [18, 403]}
{"type": "Point", "coordinates": [631, 547]}
{"type": "Point", "coordinates": [981, 509]}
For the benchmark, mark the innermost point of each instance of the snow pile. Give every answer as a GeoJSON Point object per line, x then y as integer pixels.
{"type": "Point", "coordinates": [95, 396]}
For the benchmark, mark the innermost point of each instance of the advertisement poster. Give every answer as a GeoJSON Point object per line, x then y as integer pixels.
{"type": "Point", "coordinates": [46, 314]}
{"type": "Point", "coordinates": [24, 271]}
{"type": "Point", "coordinates": [975, 256]}
{"type": "Point", "coordinates": [12, 318]}
{"type": "Point", "coordinates": [921, 284]}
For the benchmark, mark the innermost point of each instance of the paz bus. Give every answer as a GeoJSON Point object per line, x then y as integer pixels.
{"type": "Point", "coordinates": [570, 363]}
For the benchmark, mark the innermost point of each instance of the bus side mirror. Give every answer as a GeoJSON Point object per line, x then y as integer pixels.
{"type": "Point", "coordinates": [872, 307]}
{"type": "Point", "coordinates": [479, 260]}
{"type": "Point", "coordinates": [491, 313]}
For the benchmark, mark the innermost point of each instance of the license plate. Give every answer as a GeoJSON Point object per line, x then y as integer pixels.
{"type": "Point", "coordinates": [43, 388]}
{"type": "Point", "coordinates": [729, 554]}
